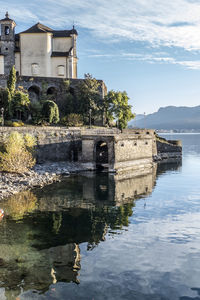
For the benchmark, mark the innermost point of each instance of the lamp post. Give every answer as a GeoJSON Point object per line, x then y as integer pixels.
{"type": "Point", "coordinates": [90, 115]}
{"type": "Point", "coordinates": [2, 116]}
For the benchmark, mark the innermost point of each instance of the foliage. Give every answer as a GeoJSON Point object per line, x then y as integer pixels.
{"type": "Point", "coordinates": [67, 105]}
{"type": "Point", "coordinates": [88, 97]}
{"type": "Point", "coordinates": [5, 101]}
{"type": "Point", "coordinates": [50, 112]}
{"type": "Point", "coordinates": [8, 123]}
{"type": "Point", "coordinates": [11, 123]}
{"type": "Point", "coordinates": [36, 112]}
{"type": "Point", "coordinates": [18, 154]}
{"type": "Point", "coordinates": [20, 104]}
{"type": "Point", "coordinates": [11, 83]}
{"type": "Point", "coordinates": [72, 120]}
{"type": "Point", "coordinates": [116, 107]}
{"type": "Point", "coordinates": [17, 124]}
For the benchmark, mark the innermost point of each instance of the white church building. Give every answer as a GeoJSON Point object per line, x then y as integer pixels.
{"type": "Point", "coordinates": [38, 51]}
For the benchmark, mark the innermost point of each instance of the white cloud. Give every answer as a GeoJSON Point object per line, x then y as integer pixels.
{"type": "Point", "coordinates": [159, 22]}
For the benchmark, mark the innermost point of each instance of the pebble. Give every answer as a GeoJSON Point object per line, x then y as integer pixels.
{"type": "Point", "coordinates": [40, 176]}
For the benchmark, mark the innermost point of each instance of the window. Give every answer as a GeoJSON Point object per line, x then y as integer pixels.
{"type": "Point", "coordinates": [61, 70]}
{"type": "Point", "coordinates": [7, 30]}
{"type": "Point", "coordinates": [35, 69]}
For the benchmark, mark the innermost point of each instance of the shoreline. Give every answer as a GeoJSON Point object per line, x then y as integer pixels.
{"type": "Point", "coordinates": [41, 175]}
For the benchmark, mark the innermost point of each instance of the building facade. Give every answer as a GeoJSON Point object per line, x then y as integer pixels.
{"type": "Point", "coordinates": [38, 51]}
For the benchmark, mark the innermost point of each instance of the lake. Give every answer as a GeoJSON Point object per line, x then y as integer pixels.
{"type": "Point", "coordinates": [99, 236]}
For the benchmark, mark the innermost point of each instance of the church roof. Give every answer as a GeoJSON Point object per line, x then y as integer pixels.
{"type": "Point", "coordinates": [40, 28]}
{"type": "Point", "coordinates": [37, 28]}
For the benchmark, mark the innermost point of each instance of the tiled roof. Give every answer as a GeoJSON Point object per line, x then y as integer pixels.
{"type": "Point", "coordinates": [37, 28]}
{"type": "Point", "coordinates": [40, 28]}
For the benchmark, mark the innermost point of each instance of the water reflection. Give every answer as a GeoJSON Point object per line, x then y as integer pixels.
{"type": "Point", "coordinates": [42, 230]}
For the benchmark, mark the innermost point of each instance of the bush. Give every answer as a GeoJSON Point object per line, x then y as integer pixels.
{"type": "Point", "coordinates": [50, 112]}
{"type": "Point", "coordinates": [8, 123]}
{"type": "Point", "coordinates": [17, 124]}
{"type": "Point", "coordinates": [18, 154]}
{"type": "Point", "coordinates": [72, 120]}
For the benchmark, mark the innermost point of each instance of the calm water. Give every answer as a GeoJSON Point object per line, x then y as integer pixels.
{"type": "Point", "coordinates": [100, 237]}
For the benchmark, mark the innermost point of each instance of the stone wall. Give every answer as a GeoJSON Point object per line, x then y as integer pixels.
{"type": "Point", "coordinates": [168, 150]}
{"type": "Point", "coordinates": [54, 143]}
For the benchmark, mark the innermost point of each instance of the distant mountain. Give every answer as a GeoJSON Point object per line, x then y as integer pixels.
{"type": "Point", "coordinates": [171, 118]}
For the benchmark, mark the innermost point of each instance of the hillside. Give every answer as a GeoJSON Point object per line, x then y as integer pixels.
{"type": "Point", "coordinates": [171, 118]}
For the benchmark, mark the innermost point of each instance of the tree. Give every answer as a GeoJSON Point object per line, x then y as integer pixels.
{"type": "Point", "coordinates": [5, 102]}
{"type": "Point", "coordinates": [117, 108]}
{"type": "Point", "coordinates": [20, 104]}
{"type": "Point", "coordinates": [88, 97]}
{"type": "Point", "coordinates": [50, 112]}
{"type": "Point", "coordinates": [11, 83]}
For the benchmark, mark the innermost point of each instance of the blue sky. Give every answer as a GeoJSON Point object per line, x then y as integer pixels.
{"type": "Point", "coordinates": [150, 48]}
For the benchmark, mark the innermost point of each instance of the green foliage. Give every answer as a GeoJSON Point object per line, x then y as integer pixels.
{"type": "Point", "coordinates": [50, 112]}
{"type": "Point", "coordinates": [11, 83]}
{"type": "Point", "coordinates": [67, 104]}
{"type": "Point", "coordinates": [20, 104]}
{"type": "Point", "coordinates": [36, 112]}
{"type": "Point", "coordinates": [88, 97]}
{"type": "Point", "coordinates": [72, 120]}
{"type": "Point", "coordinates": [116, 107]}
{"type": "Point", "coordinates": [5, 101]}
{"type": "Point", "coordinates": [18, 154]}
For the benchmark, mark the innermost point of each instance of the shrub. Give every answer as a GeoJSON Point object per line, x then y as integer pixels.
{"type": "Point", "coordinates": [18, 154]}
{"type": "Point", "coordinates": [20, 104]}
{"type": "Point", "coordinates": [50, 112]}
{"type": "Point", "coordinates": [8, 123]}
{"type": "Point", "coordinates": [17, 124]}
{"type": "Point", "coordinates": [72, 120]}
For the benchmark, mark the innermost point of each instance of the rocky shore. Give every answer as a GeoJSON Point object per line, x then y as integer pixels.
{"type": "Point", "coordinates": [40, 176]}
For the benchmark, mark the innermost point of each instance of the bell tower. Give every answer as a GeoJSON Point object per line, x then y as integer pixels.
{"type": "Point", "coordinates": [7, 42]}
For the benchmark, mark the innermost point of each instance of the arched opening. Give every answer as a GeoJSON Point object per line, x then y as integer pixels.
{"type": "Point", "coordinates": [34, 93]}
{"type": "Point", "coordinates": [7, 30]}
{"type": "Point", "coordinates": [52, 91]}
{"type": "Point", "coordinates": [101, 154]}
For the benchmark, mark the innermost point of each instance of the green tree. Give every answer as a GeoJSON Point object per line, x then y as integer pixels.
{"type": "Point", "coordinates": [117, 108]}
{"type": "Point", "coordinates": [11, 83]}
{"type": "Point", "coordinates": [88, 97]}
{"type": "Point", "coordinates": [68, 103]}
{"type": "Point", "coordinates": [20, 104]}
{"type": "Point", "coordinates": [5, 102]}
{"type": "Point", "coordinates": [50, 112]}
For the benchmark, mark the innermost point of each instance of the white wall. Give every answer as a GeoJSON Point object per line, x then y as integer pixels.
{"type": "Point", "coordinates": [62, 44]}
{"type": "Point", "coordinates": [1, 64]}
{"type": "Point", "coordinates": [55, 62]}
{"type": "Point", "coordinates": [36, 49]}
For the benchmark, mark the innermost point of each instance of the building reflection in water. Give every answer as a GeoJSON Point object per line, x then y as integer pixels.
{"type": "Point", "coordinates": [42, 230]}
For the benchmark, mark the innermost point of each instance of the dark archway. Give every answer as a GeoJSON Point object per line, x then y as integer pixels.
{"type": "Point", "coordinates": [101, 153]}
{"type": "Point", "coordinates": [34, 93]}
{"type": "Point", "coordinates": [52, 91]}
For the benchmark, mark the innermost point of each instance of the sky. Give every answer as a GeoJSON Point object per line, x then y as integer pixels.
{"type": "Point", "coordinates": [149, 48]}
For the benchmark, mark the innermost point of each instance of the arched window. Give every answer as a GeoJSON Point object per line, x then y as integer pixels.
{"type": "Point", "coordinates": [61, 70]}
{"type": "Point", "coordinates": [7, 30]}
{"type": "Point", "coordinates": [35, 69]}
